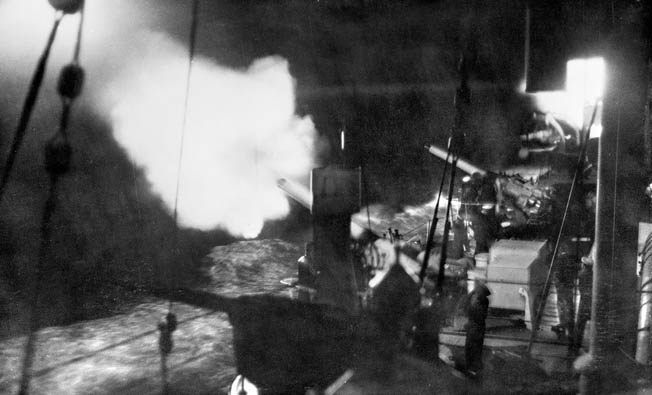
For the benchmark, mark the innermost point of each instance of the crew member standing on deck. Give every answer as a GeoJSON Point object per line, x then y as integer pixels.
{"type": "Point", "coordinates": [476, 312]}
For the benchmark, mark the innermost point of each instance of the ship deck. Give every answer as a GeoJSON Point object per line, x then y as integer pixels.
{"type": "Point", "coordinates": [549, 350]}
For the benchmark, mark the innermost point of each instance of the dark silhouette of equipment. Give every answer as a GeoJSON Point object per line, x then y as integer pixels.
{"type": "Point", "coordinates": [476, 312]}
{"type": "Point", "coordinates": [286, 345]}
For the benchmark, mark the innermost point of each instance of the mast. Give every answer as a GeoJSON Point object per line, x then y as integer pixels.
{"type": "Point", "coordinates": [615, 249]}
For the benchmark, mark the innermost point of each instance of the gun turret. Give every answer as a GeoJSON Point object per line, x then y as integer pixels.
{"type": "Point", "coordinates": [521, 201]}
{"type": "Point", "coordinates": [526, 172]}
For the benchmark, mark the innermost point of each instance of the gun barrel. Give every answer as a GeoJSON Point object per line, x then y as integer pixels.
{"type": "Point", "coordinates": [296, 191]}
{"type": "Point", "coordinates": [462, 164]}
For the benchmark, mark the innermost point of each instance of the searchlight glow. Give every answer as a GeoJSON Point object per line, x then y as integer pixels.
{"type": "Point", "coordinates": [585, 79]}
{"type": "Point", "coordinates": [585, 83]}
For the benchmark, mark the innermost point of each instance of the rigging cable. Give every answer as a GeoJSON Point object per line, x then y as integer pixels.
{"type": "Point", "coordinates": [366, 197]}
{"type": "Point", "coordinates": [28, 105]}
{"type": "Point", "coordinates": [612, 311]}
{"type": "Point", "coordinates": [431, 229]}
{"type": "Point", "coordinates": [184, 121]}
{"type": "Point", "coordinates": [414, 229]}
{"type": "Point", "coordinates": [57, 163]}
{"type": "Point", "coordinates": [456, 138]}
{"type": "Point", "coordinates": [170, 325]}
{"type": "Point", "coordinates": [447, 227]}
{"type": "Point", "coordinates": [576, 176]}
{"type": "Point", "coordinates": [456, 142]}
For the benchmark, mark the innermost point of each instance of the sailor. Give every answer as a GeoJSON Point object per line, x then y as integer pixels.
{"type": "Point", "coordinates": [460, 243]}
{"type": "Point", "coordinates": [476, 312]}
{"type": "Point", "coordinates": [478, 201]}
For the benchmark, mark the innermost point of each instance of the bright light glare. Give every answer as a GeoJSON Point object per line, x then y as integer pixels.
{"type": "Point", "coordinates": [585, 82]}
{"type": "Point", "coordinates": [241, 135]}
{"type": "Point", "coordinates": [25, 25]}
{"type": "Point", "coordinates": [585, 78]}
{"type": "Point", "coordinates": [24, 28]}
{"type": "Point", "coordinates": [596, 131]}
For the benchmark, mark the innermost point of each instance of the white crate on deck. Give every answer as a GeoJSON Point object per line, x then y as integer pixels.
{"type": "Point", "coordinates": [516, 264]}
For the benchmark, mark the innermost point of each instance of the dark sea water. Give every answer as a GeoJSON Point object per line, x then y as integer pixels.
{"type": "Point", "coordinates": [119, 354]}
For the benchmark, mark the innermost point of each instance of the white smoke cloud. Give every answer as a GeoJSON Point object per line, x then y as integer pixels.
{"type": "Point", "coordinates": [241, 134]}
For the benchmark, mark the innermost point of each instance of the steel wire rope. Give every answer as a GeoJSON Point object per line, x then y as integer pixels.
{"type": "Point", "coordinates": [49, 369]}
{"type": "Point", "coordinates": [455, 142]}
{"type": "Point", "coordinates": [184, 119]}
{"type": "Point", "coordinates": [612, 310]}
{"type": "Point", "coordinates": [576, 176]}
{"type": "Point", "coordinates": [414, 229]}
{"type": "Point", "coordinates": [29, 103]}
{"type": "Point", "coordinates": [366, 197]}
{"type": "Point", "coordinates": [447, 226]}
{"type": "Point", "coordinates": [431, 230]}
{"type": "Point", "coordinates": [170, 325]}
{"type": "Point", "coordinates": [57, 163]}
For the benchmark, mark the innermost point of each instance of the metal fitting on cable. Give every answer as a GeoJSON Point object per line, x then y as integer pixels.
{"type": "Point", "coordinates": [171, 320]}
{"type": "Point", "coordinates": [71, 81]}
{"type": "Point", "coordinates": [58, 151]}
{"type": "Point", "coordinates": [66, 6]}
{"type": "Point", "coordinates": [57, 155]}
{"type": "Point", "coordinates": [166, 328]}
